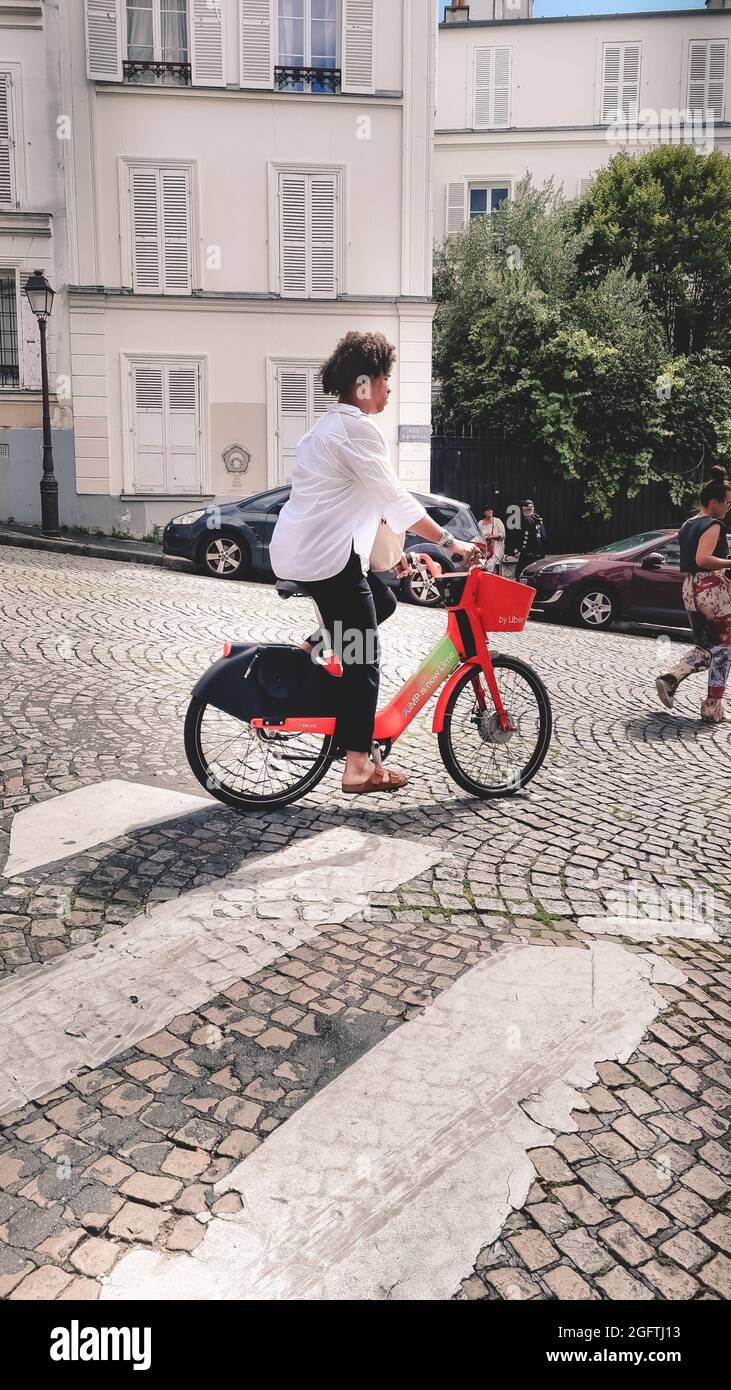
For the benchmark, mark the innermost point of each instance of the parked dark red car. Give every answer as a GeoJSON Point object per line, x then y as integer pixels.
{"type": "Point", "coordinates": [637, 579]}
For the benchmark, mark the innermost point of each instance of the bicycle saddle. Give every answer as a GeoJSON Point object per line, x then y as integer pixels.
{"type": "Point", "coordinates": [288, 588]}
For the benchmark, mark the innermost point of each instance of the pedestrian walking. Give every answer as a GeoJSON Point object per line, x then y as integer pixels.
{"type": "Point", "coordinates": [492, 530]}
{"type": "Point", "coordinates": [532, 544]}
{"type": "Point", "coordinates": [705, 563]}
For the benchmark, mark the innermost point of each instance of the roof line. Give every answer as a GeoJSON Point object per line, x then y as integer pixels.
{"type": "Point", "coordinates": [466, 25]}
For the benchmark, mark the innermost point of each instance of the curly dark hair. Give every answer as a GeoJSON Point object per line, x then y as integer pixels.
{"type": "Point", "coordinates": [715, 488]}
{"type": "Point", "coordinates": [357, 355]}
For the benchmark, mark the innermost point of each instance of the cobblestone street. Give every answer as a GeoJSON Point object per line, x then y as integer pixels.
{"type": "Point", "coordinates": [199, 1025]}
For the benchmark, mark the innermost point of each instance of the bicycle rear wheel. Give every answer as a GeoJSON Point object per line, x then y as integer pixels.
{"type": "Point", "coordinates": [480, 756]}
{"type": "Point", "coordinates": [251, 769]}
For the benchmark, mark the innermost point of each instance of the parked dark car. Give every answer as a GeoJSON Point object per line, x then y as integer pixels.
{"type": "Point", "coordinates": [637, 579]}
{"type": "Point", "coordinates": [230, 540]}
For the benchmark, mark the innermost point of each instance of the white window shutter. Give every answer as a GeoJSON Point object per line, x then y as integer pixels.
{"type": "Point", "coordinates": [292, 416]}
{"type": "Point", "coordinates": [104, 40]}
{"type": "Point", "coordinates": [182, 428]}
{"type": "Point", "coordinates": [293, 391]}
{"type": "Point", "coordinates": [147, 258]}
{"type": "Point", "coordinates": [501, 88]}
{"type": "Point", "coordinates": [175, 209]}
{"type": "Point", "coordinates": [7, 142]}
{"type": "Point", "coordinates": [320, 402]}
{"type": "Point", "coordinates": [293, 238]}
{"type": "Point", "coordinates": [483, 87]}
{"type": "Point", "coordinates": [631, 82]}
{"type": "Point", "coordinates": [456, 216]}
{"type": "Point", "coordinates": [358, 46]}
{"type": "Point", "coordinates": [621, 82]}
{"type": "Point", "coordinates": [148, 407]}
{"type": "Point", "coordinates": [610, 81]}
{"type": "Point", "coordinates": [208, 68]}
{"type": "Point", "coordinates": [491, 83]}
{"type": "Point", "coordinates": [323, 236]}
{"type": "Point", "coordinates": [697, 72]}
{"type": "Point", "coordinates": [257, 43]}
{"type": "Point", "coordinates": [717, 62]}
{"type": "Point", "coordinates": [707, 77]}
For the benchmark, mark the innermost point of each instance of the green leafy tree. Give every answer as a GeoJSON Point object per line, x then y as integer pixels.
{"type": "Point", "coordinates": [527, 344]}
{"type": "Point", "coordinates": [667, 214]}
{"type": "Point", "coordinates": [696, 392]}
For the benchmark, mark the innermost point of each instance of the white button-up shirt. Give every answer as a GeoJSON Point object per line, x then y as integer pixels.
{"type": "Point", "coordinates": [342, 485]}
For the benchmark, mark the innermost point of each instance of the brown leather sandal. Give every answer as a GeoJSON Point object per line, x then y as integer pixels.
{"type": "Point", "coordinates": [382, 779]}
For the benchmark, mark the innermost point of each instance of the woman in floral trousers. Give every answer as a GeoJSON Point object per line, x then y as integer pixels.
{"type": "Point", "coordinates": [704, 560]}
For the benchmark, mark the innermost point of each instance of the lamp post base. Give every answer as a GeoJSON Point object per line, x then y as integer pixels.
{"type": "Point", "coordinates": [49, 505]}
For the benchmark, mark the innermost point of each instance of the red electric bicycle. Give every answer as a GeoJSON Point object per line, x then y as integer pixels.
{"type": "Point", "coordinates": [260, 727]}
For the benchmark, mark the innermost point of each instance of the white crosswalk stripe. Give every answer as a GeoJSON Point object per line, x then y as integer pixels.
{"type": "Point", "coordinates": [387, 1183]}
{"type": "Point", "coordinates": [76, 821]}
{"type": "Point", "coordinates": [99, 1000]}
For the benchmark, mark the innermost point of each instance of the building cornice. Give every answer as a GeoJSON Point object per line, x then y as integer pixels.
{"type": "Point", "coordinates": [21, 14]}
{"type": "Point", "coordinates": [467, 25]}
{"type": "Point", "coordinates": [133, 89]}
{"type": "Point", "coordinates": [457, 135]}
{"type": "Point", "coordinates": [27, 223]}
{"type": "Point", "coordinates": [234, 300]}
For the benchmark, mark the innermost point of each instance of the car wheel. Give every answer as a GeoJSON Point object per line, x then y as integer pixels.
{"type": "Point", "coordinates": [596, 608]}
{"type": "Point", "coordinates": [224, 556]}
{"type": "Point", "coordinates": [420, 588]}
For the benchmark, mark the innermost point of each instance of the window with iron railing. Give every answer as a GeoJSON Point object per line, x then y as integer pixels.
{"type": "Point", "coordinates": [9, 361]}
{"type": "Point", "coordinates": [158, 48]}
{"type": "Point", "coordinates": [307, 46]}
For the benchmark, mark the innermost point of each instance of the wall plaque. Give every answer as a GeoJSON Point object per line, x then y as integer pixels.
{"type": "Point", "coordinates": [414, 434]}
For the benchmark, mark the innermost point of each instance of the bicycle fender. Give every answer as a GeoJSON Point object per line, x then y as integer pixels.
{"type": "Point", "coordinates": [224, 684]}
{"type": "Point", "coordinates": [232, 685]}
{"type": "Point", "coordinates": [441, 709]}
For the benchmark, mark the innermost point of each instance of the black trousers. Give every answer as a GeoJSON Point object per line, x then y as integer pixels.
{"type": "Point", "coordinates": [524, 560]}
{"type": "Point", "coordinates": [352, 605]}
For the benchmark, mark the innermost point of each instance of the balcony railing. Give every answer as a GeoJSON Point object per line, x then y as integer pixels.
{"type": "Point", "coordinates": [164, 74]}
{"type": "Point", "coordinates": [307, 79]}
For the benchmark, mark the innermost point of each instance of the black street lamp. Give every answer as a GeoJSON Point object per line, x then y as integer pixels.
{"type": "Point", "coordinates": [40, 298]}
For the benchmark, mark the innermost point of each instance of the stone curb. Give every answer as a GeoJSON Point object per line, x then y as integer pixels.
{"type": "Point", "coordinates": [96, 549]}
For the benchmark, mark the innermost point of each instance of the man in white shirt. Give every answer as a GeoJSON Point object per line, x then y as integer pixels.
{"type": "Point", "coordinates": [342, 486]}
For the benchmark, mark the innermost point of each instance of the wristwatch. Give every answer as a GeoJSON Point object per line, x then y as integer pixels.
{"type": "Point", "coordinates": [447, 540]}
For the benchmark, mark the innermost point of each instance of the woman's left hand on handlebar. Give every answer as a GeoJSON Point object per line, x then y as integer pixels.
{"type": "Point", "coordinates": [467, 551]}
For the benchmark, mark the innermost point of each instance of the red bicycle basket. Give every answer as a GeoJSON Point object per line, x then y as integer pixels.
{"type": "Point", "coordinates": [503, 604]}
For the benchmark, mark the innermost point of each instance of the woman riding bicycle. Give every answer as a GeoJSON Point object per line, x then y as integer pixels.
{"type": "Point", "coordinates": [342, 486]}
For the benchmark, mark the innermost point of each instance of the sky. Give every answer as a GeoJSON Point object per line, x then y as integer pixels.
{"type": "Point", "coordinates": [544, 8]}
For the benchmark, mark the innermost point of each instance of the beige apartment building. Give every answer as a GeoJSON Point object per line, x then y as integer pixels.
{"type": "Point", "coordinates": [246, 180]}
{"type": "Point", "coordinates": [219, 189]}
{"type": "Point", "coordinates": [32, 236]}
{"type": "Point", "coordinates": [557, 97]}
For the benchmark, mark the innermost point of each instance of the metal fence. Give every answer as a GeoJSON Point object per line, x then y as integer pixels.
{"type": "Point", "coordinates": [486, 470]}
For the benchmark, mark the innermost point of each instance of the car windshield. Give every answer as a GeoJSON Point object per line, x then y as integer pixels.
{"type": "Point", "coordinates": [632, 543]}
{"type": "Point", "coordinates": [458, 520]}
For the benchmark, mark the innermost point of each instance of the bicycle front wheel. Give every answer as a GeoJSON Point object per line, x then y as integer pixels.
{"type": "Point", "coordinates": [252, 769]}
{"type": "Point", "coordinates": [482, 758]}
